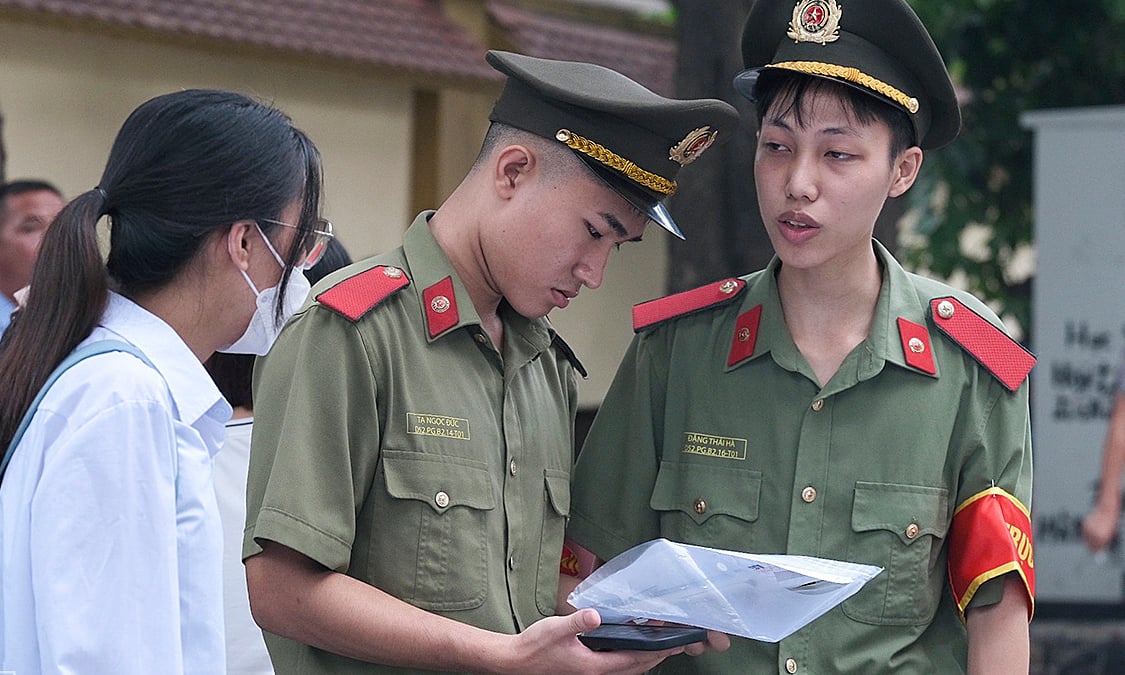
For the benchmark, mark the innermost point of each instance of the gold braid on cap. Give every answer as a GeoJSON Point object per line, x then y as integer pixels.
{"type": "Point", "coordinates": [617, 162]}
{"type": "Point", "coordinates": [851, 75]}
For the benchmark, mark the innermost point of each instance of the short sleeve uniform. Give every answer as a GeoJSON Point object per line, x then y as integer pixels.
{"type": "Point", "coordinates": [398, 446]}
{"type": "Point", "coordinates": [716, 433]}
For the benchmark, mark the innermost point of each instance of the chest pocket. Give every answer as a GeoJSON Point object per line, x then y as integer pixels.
{"type": "Point", "coordinates": [703, 504]}
{"type": "Point", "coordinates": [555, 515]}
{"type": "Point", "coordinates": [900, 528]}
{"type": "Point", "coordinates": [431, 528]}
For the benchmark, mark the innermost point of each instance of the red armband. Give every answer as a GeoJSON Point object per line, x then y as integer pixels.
{"type": "Point", "coordinates": [990, 536]}
{"type": "Point", "coordinates": [577, 561]}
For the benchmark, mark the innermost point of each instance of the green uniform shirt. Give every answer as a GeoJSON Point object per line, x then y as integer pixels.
{"type": "Point", "coordinates": [432, 468]}
{"type": "Point", "coordinates": [758, 457]}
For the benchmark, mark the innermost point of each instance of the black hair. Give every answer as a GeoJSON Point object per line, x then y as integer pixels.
{"type": "Point", "coordinates": [789, 90]}
{"type": "Point", "coordinates": [19, 187]}
{"type": "Point", "coordinates": [233, 374]}
{"type": "Point", "coordinates": [561, 162]}
{"type": "Point", "coordinates": [184, 166]}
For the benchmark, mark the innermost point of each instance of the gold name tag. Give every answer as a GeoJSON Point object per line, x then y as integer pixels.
{"type": "Point", "coordinates": [714, 446]}
{"type": "Point", "coordinates": [422, 424]}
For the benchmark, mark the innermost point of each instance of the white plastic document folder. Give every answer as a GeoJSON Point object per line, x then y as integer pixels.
{"type": "Point", "coordinates": [763, 597]}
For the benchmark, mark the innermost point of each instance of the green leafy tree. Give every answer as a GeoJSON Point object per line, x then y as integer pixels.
{"type": "Point", "coordinates": [974, 208]}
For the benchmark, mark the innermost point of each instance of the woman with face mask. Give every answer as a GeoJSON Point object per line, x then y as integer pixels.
{"type": "Point", "coordinates": [109, 531]}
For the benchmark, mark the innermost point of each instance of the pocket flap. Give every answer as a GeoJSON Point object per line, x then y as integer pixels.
{"type": "Point", "coordinates": [441, 481]}
{"type": "Point", "coordinates": [558, 490]}
{"type": "Point", "coordinates": [703, 490]}
{"type": "Point", "coordinates": [909, 511]}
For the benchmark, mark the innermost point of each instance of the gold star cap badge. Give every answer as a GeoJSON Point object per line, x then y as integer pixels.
{"type": "Point", "coordinates": [688, 150]}
{"type": "Point", "coordinates": [815, 21]}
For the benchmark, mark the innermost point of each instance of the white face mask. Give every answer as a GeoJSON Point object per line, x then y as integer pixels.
{"type": "Point", "coordinates": [263, 330]}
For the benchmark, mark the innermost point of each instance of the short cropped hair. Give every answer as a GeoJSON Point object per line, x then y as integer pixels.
{"type": "Point", "coordinates": [18, 187]}
{"type": "Point", "coordinates": [558, 161]}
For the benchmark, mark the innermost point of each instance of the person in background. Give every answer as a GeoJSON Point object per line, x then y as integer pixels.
{"type": "Point", "coordinates": [410, 474]}
{"type": "Point", "coordinates": [27, 207]}
{"type": "Point", "coordinates": [1099, 529]}
{"type": "Point", "coordinates": [246, 650]}
{"type": "Point", "coordinates": [110, 539]}
{"type": "Point", "coordinates": [832, 404]}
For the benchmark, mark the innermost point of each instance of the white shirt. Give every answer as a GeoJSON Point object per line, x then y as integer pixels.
{"type": "Point", "coordinates": [110, 536]}
{"type": "Point", "coordinates": [246, 648]}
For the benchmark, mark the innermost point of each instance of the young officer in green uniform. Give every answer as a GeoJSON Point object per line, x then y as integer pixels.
{"type": "Point", "coordinates": [410, 473]}
{"type": "Point", "coordinates": [832, 404]}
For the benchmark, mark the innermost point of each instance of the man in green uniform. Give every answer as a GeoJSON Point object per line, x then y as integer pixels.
{"type": "Point", "coordinates": [833, 404]}
{"type": "Point", "coordinates": [410, 474]}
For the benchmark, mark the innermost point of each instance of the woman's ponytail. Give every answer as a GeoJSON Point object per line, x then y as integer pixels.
{"type": "Point", "coordinates": [69, 291]}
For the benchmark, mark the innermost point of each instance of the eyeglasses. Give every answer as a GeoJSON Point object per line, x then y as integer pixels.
{"type": "Point", "coordinates": [316, 246]}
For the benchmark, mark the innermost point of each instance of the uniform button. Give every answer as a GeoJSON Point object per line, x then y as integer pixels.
{"type": "Point", "coordinates": [512, 467]}
{"type": "Point", "coordinates": [945, 309]}
{"type": "Point", "coordinates": [809, 494]}
{"type": "Point", "coordinates": [728, 287]}
{"type": "Point", "coordinates": [511, 562]}
{"type": "Point", "coordinates": [917, 346]}
{"type": "Point", "coordinates": [441, 499]}
{"type": "Point", "coordinates": [700, 506]}
{"type": "Point", "coordinates": [481, 338]}
{"type": "Point", "coordinates": [790, 665]}
{"type": "Point", "coordinates": [392, 272]}
{"type": "Point", "coordinates": [818, 405]}
{"type": "Point", "coordinates": [912, 530]}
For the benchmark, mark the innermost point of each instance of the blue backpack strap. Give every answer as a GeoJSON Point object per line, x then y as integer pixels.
{"type": "Point", "coordinates": [84, 352]}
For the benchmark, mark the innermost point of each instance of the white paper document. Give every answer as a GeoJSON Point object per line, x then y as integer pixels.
{"type": "Point", "coordinates": [763, 597]}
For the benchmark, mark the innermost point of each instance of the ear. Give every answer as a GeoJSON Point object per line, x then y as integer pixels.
{"type": "Point", "coordinates": [238, 242]}
{"type": "Point", "coordinates": [905, 170]}
{"type": "Point", "coordinates": [511, 167]}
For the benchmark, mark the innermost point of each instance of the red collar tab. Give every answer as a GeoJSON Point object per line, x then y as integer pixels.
{"type": "Point", "coordinates": [1000, 355]}
{"type": "Point", "coordinates": [355, 296]}
{"type": "Point", "coordinates": [916, 346]}
{"type": "Point", "coordinates": [441, 307]}
{"type": "Point", "coordinates": [745, 335]}
{"type": "Point", "coordinates": [655, 311]}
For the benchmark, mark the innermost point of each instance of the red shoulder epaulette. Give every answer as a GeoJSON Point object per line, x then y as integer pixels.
{"type": "Point", "coordinates": [1000, 355]}
{"type": "Point", "coordinates": [356, 296]}
{"type": "Point", "coordinates": [654, 311]}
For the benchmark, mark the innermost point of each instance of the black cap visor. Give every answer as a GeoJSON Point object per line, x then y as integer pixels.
{"type": "Point", "coordinates": [654, 210]}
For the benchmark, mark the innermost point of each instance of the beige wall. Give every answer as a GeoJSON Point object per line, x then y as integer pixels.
{"type": "Point", "coordinates": [65, 93]}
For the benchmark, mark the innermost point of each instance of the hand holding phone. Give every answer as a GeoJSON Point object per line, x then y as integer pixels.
{"type": "Point", "coordinates": [640, 637]}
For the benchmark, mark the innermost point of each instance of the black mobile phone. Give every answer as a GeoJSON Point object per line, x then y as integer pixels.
{"type": "Point", "coordinates": [622, 636]}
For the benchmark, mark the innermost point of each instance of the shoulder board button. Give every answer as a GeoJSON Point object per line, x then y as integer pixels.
{"type": "Point", "coordinates": [999, 354]}
{"type": "Point", "coordinates": [355, 296]}
{"type": "Point", "coordinates": [655, 311]}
